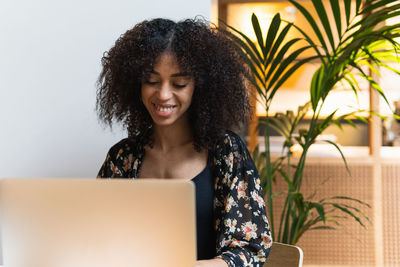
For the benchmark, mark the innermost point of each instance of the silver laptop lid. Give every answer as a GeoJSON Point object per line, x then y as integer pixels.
{"type": "Point", "coordinates": [89, 222]}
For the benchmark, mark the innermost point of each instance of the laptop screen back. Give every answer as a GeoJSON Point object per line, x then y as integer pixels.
{"type": "Point", "coordinates": [89, 222]}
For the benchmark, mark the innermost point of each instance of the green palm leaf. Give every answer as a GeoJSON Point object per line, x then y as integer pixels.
{"type": "Point", "coordinates": [378, 4]}
{"type": "Point", "coordinates": [278, 43]}
{"type": "Point", "coordinates": [312, 23]}
{"type": "Point", "coordinates": [336, 14]}
{"type": "Point", "coordinates": [288, 73]}
{"type": "Point", "coordinates": [258, 33]}
{"type": "Point", "coordinates": [276, 61]}
{"type": "Point", "coordinates": [316, 86]}
{"type": "Point", "coordinates": [324, 20]}
{"type": "Point", "coordinates": [347, 198]}
{"type": "Point", "coordinates": [320, 209]}
{"type": "Point", "coordinates": [347, 8]}
{"type": "Point", "coordinates": [325, 227]}
{"type": "Point", "coordinates": [311, 43]}
{"type": "Point", "coordinates": [250, 51]}
{"type": "Point", "coordinates": [347, 211]}
{"type": "Point", "coordinates": [341, 154]}
{"type": "Point", "coordinates": [272, 31]}
{"type": "Point", "coordinates": [249, 43]}
{"type": "Point", "coordinates": [284, 64]}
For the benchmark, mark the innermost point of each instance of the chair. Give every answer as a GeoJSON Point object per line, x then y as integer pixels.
{"type": "Point", "coordinates": [283, 255]}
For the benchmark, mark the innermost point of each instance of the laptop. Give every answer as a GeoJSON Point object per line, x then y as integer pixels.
{"type": "Point", "coordinates": [97, 223]}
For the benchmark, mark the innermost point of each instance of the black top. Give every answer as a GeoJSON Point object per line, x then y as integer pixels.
{"type": "Point", "coordinates": [204, 214]}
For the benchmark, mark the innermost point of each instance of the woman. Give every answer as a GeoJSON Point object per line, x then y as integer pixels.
{"type": "Point", "coordinates": [178, 88]}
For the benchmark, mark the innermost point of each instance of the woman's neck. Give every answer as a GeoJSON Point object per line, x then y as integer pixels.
{"type": "Point", "coordinates": [167, 138]}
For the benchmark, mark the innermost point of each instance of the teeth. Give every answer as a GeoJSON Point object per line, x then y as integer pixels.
{"type": "Point", "coordinates": [163, 109]}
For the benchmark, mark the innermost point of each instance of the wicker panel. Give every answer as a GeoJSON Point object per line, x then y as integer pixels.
{"type": "Point", "coordinates": [391, 214]}
{"type": "Point", "coordinates": [351, 246]}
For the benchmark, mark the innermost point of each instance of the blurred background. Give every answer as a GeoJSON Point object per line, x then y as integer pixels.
{"type": "Point", "coordinates": [50, 54]}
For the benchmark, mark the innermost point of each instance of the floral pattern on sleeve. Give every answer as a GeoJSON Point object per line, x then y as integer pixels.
{"type": "Point", "coordinates": [241, 224]}
{"type": "Point", "coordinates": [123, 160]}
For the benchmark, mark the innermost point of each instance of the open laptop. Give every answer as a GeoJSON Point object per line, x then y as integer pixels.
{"type": "Point", "coordinates": [97, 223]}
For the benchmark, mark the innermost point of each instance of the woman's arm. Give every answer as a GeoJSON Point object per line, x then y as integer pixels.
{"type": "Point", "coordinates": [243, 234]}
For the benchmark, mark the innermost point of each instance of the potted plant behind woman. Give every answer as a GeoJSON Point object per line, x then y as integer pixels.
{"type": "Point", "coordinates": [357, 37]}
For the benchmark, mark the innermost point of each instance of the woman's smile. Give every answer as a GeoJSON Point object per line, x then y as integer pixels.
{"type": "Point", "coordinates": [164, 110]}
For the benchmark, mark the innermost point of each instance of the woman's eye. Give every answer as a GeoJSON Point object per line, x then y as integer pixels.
{"type": "Point", "coordinates": [151, 82]}
{"type": "Point", "coordinates": [180, 85]}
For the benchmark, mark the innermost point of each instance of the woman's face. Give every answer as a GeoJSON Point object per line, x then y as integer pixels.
{"type": "Point", "coordinates": [167, 91]}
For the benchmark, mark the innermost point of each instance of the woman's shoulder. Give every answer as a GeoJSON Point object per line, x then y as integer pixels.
{"type": "Point", "coordinates": [125, 147]}
{"type": "Point", "coordinates": [230, 140]}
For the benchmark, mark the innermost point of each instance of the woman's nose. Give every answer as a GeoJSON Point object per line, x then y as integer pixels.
{"type": "Point", "coordinates": [165, 91]}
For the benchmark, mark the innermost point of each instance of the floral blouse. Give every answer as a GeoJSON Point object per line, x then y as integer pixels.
{"type": "Point", "coordinates": [241, 224]}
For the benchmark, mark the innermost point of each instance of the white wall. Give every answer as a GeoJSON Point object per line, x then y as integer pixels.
{"type": "Point", "coordinates": [50, 55]}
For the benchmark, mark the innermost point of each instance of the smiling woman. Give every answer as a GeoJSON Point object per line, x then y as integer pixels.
{"type": "Point", "coordinates": [203, 53]}
{"type": "Point", "coordinates": [179, 88]}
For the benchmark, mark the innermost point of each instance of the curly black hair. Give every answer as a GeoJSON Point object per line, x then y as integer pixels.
{"type": "Point", "coordinates": [220, 100]}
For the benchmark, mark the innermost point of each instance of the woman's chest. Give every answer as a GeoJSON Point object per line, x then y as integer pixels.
{"type": "Point", "coordinates": [172, 166]}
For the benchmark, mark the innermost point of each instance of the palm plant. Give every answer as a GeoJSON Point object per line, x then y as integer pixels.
{"type": "Point", "coordinates": [343, 48]}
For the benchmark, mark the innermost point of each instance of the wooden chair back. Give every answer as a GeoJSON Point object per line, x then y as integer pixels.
{"type": "Point", "coordinates": [284, 255]}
